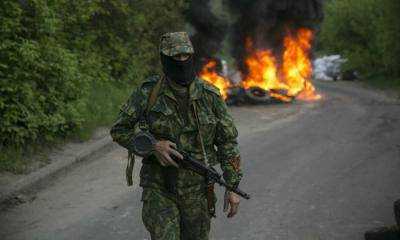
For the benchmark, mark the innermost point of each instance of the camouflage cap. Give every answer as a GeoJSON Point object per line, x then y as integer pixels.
{"type": "Point", "coordinates": [176, 43]}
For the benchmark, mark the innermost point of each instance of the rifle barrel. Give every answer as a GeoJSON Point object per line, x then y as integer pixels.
{"type": "Point", "coordinates": [235, 190]}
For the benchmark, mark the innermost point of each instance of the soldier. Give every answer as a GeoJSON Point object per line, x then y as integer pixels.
{"type": "Point", "coordinates": [183, 113]}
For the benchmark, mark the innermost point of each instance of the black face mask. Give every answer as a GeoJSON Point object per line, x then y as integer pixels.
{"type": "Point", "coordinates": [181, 72]}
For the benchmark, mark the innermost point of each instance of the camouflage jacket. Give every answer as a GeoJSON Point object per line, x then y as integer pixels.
{"type": "Point", "coordinates": [165, 121]}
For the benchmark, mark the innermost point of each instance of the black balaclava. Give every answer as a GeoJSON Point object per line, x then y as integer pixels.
{"type": "Point", "coordinates": [181, 72]}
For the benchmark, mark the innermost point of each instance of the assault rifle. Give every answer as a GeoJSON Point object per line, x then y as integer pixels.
{"type": "Point", "coordinates": [208, 172]}
{"type": "Point", "coordinates": [143, 144]}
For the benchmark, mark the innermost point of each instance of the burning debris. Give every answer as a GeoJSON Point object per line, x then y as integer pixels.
{"type": "Point", "coordinates": [292, 75]}
{"type": "Point", "coordinates": [266, 23]}
{"type": "Point", "coordinates": [253, 95]}
{"type": "Point", "coordinates": [267, 79]}
{"type": "Point", "coordinates": [272, 47]}
{"type": "Point", "coordinates": [211, 74]}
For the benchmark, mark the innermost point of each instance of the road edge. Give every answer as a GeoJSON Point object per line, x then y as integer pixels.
{"type": "Point", "coordinates": [54, 168]}
{"type": "Point", "coordinates": [354, 87]}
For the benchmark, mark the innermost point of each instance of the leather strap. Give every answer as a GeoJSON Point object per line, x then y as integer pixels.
{"type": "Point", "coordinates": [129, 168]}
{"type": "Point", "coordinates": [210, 184]}
{"type": "Point", "coordinates": [142, 125]}
{"type": "Point", "coordinates": [211, 200]}
{"type": "Point", "coordinates": [154, 94]}
{"type": "Point", "coordinates": [203, 149]}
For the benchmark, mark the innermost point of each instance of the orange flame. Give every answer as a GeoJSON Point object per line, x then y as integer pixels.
{"type": "Point", "coordinates": [294, 74]}
{"type": "Point", "coordinates": [297, 66]}
{"type": "Point", "coordinates": [285, 81]}
{"type": "Point", "coordinates": [209, 74]}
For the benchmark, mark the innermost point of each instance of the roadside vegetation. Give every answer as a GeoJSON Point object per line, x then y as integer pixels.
{"type": "Point", "coordinates": [367, 33]}
{"type": "Point", "coordinates": [66, 67]}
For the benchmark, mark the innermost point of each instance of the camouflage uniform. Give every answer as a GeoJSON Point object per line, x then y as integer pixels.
{"type": "Point", "coordinates": [174, 200]}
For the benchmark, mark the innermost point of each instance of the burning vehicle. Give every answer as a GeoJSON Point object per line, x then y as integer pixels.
{"type": "Point", "coordinates": [272, 46]}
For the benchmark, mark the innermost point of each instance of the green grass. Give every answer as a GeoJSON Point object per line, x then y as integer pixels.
{"type": "Point", "coordinates": [103, 104]}
{"type": "Point", "coordinates": [20, 161]}
{"type": "Point", "coordinates": [101, 110]}
{"type": "Point", "coordinates": [384, 82]}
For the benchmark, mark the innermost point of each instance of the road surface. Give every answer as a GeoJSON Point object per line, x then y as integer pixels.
{"type": "Point", "coordinates": [322, 170]}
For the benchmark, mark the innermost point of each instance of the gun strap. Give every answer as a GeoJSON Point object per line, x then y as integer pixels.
{"type": "Point", "coordinates": [210, 185]}
{"type": "Point", "coordinates": [129, 168]}
{"type": "Point", "coordinates": [142, 125]}
{"type": "Point", "coordinates": [211, 200]}
{"type": "Point", "coordinates": [203, 149]}
{"type": "Point", "coordinates": [154, 94]}
{"type": "Point", "coordinates": [150, 103]}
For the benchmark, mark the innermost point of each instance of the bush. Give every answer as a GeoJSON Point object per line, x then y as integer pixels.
{"type": "Point", "coordinates": [366, 32]}
{"type": "Point", "coordinates": [41, 89]}
{"type": "Point", "coordinates": [66, 66]}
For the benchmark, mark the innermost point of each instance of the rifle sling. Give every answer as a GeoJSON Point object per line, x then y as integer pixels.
{"type": "Point", "coordinates": [142, 125]}
{"type": "Point", "coordinates": [210, 184]}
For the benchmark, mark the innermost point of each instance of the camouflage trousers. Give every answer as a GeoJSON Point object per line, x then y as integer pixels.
{"type": "Point", "coordinates": [172, 217]}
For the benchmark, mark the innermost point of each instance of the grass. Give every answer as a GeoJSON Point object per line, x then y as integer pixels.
{"type": "Point", "coordinates": [102, 107]}
{"type": "Point", "coordinates": [384, 82]}
{"type": "Point", "coordinates": [21, 161]}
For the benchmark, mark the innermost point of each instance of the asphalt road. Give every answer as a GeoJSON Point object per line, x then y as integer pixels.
{"type": "Point", "coordinates": [323, 170]}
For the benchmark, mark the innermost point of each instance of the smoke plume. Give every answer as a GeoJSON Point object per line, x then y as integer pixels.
{"type": "Point", "coordinates": [265, 22]}
{"type": "Point", "coordinates": [209, 31]}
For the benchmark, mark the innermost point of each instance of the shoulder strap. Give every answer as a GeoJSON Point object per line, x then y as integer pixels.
{"type": "Point", "coordinates": [153, 95]}
{"type": "Point", "coordinates": [150, 103]}
{"type": "Point", "coordinates": [203, 149]}
{"type": "Point", "coordinates": [142, 123]}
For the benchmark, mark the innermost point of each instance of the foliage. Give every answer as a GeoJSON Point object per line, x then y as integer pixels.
{"type": "Point", "coordinates": [66, 66]}
{"type": "Point", "coordinates": [367, 32]}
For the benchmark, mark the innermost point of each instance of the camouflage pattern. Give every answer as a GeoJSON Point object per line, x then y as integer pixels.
{"type": "Point", "coordinates": [176, 43]}
{"type": "Point", "coordinates": [164, 121]}
{"type": "Point", "coordinates": [167, 218]}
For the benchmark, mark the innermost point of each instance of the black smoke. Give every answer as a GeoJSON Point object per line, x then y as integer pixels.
{"type": "Point", "coordinates": [209, 31]}
{"type": "Point", "coordinates": [265, 22]}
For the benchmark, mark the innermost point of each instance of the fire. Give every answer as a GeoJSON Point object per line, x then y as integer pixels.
{"type": "Point", "coordinates": [210, 74]}
{"type": "Point", "coordinates": [293, 75]}
{"type": "Point", "coordinates": [285, 78]}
